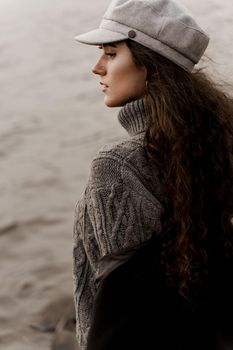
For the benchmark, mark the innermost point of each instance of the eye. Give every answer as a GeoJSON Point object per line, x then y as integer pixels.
{"type": "Point", "coordinates": [110, 54]}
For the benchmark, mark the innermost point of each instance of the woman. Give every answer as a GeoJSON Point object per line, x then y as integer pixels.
{"type": "Point", "coordinates": [169, 183]}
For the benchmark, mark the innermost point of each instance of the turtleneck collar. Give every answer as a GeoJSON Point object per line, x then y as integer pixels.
{"type": "Point", "coordinates": [133, 117]}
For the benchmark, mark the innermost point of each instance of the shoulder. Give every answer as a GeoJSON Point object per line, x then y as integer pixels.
{"type": "Point", "coordinates": [114, 160]}
{"type": "Point", "coordinates": [121, 151]}
{"type": "Point", "coordinates": [125, 163]}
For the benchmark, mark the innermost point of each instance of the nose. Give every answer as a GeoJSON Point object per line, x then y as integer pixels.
{"type": "Point", "coordinates": [99, 68]}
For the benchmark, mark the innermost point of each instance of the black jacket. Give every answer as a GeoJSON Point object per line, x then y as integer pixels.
{"type": "Point", "coordinates": [136, 309]}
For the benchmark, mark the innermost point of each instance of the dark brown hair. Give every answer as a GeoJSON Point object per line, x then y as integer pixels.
{"type": "Point", "coordinates": [190, 139]}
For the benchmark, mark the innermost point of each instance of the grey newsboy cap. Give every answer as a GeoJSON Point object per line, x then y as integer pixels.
{"type": "Point", "coordinates": [161, 25]}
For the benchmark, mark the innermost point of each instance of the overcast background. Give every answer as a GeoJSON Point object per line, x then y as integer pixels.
{"type": "Point", "coordinates": [52, 122]}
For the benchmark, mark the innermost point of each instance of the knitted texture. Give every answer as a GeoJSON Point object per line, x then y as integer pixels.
{"type": "Point", "coordinates": [120, 208]}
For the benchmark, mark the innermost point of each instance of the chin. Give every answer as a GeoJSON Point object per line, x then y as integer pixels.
{"type": "Point", "coordinates": [118, 103]}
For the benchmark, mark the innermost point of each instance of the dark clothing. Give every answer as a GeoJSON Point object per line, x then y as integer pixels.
{"type": "Point", "coordinates": [134, 310]}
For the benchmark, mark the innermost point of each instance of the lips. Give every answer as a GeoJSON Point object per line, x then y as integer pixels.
{"type": "Point", "coordinates": [104, 85]}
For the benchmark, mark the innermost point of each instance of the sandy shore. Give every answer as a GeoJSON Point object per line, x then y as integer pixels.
{"type": "Point", "coordinates": [52, 122]}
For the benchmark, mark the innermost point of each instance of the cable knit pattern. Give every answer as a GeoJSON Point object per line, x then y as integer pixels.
{"type": "Point", "coordinates": [119, 208]}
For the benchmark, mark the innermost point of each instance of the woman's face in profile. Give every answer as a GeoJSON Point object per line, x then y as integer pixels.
{"type": "Point", "coordinates": [120, 79]}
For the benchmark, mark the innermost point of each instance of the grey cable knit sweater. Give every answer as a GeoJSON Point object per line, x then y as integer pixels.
{"type": "Point", "coordinates": [119, 208]}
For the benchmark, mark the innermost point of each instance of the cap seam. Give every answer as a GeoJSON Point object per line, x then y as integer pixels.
{"type": "Point", "coordinates": [163, 15]}
{"type": "Point", "coordinates": [194, 29]}
{"type": "Point", "coordinates": [108, 19]}
{"type": "Point", "coordinates": [114, 30]}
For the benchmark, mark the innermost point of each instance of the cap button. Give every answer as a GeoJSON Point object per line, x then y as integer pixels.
{"type": "Point", "coordinates": [131, 34]}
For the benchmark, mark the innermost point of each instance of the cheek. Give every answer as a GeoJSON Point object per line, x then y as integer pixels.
{"type": "Point", "coordinates": [129, 80]}
{"type": "Point", "coordinates": [138, 80]}
{"type": "Point", "coordinates": [134, 83]}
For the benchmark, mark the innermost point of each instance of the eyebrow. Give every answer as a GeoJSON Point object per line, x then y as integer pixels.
{"type": "Point", "coordinates": [111, 44]}
{"type": "Point", "coordinates": [106, 45]}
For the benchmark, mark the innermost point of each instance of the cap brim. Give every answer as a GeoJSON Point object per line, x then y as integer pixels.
{"type": "Point", "coordinates": [100, 36]}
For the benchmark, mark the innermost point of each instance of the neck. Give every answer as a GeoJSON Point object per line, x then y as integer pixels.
{"type": "Point", "coordinates": [133, 117]}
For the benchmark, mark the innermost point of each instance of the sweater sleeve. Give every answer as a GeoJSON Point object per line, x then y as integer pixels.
{"type": "Point", "coordinates": [83, 280]}
{"type": "Point", "coordinates": [116, 211]}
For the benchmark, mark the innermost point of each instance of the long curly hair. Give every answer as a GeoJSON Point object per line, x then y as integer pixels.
{"type": "Point", "coordinates": [190, 138]}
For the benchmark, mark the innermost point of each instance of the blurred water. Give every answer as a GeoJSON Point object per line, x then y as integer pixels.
{"type": "Point", "coordinates": [46, 87]}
